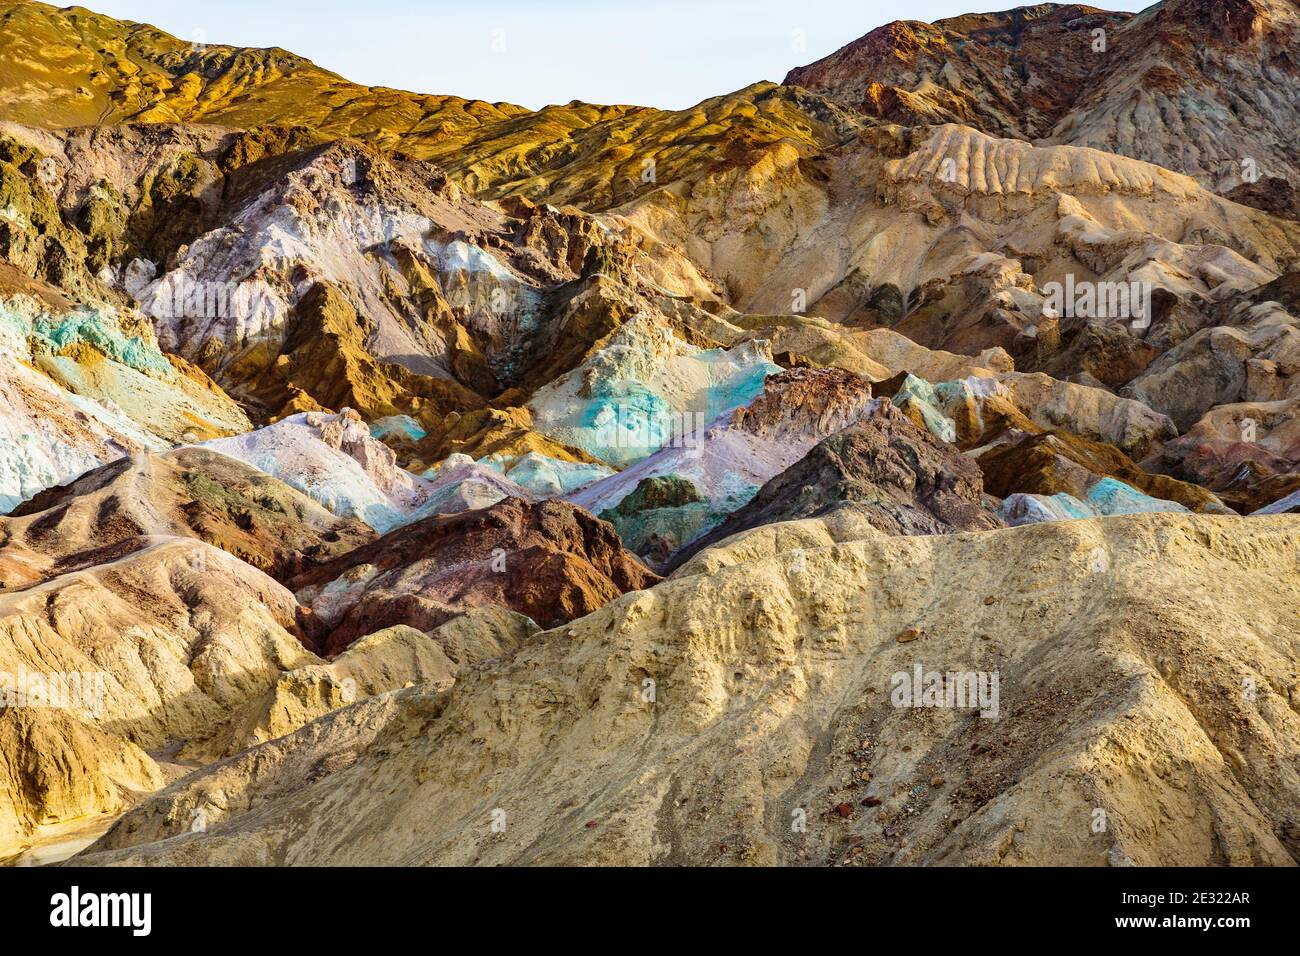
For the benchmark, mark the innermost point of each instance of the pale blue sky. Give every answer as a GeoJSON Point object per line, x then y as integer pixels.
{"type": "Point", "coordinates": [665, 53]}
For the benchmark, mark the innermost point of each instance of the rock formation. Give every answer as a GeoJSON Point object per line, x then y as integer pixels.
{"type": "Point", "coordinates": [551, 562]}
{"type": "Point", "coordinates": [1155, 86]}
{"type": "Point", "coordinates": [1058, 462]}
{"type": "Point", "coordinates": [690, 485]}
{"type": "Point", "coordinates": [189, 492]}
{"type": "Point", "coordinates": [905, 481]}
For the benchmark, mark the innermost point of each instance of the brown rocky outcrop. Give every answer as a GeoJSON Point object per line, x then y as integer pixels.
{"type": "Point", "coordinates": [907, 482]}
{"type": "Point", "coordinates": [1273, 194]}
{"type": "Point", "coordinates": [551, 561]}
{"type": "Point", "coordinates": [189, 492]}
{"type": "Point", "coordinates": [1010, 73]}
{"type": "Point", "coordinates": [1057, 461]}
{"type": "Point", "coordinates": [1160, 87]}
{"type": "Point", "coordinates": [803, 401]}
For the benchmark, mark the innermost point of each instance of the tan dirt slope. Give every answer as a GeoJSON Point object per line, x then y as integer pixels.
{"type": "Point", "coordinates": [703, 721]}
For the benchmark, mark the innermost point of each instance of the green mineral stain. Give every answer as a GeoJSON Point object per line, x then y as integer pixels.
{"type": "Point", "coordinates": [95, 328]}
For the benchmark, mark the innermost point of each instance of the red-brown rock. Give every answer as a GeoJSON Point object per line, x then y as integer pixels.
{"type": "Point", "coordinates": [551, 561]}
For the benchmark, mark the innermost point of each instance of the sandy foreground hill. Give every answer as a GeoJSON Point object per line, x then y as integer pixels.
{"type": "Point", "coordinates": [741, 713]}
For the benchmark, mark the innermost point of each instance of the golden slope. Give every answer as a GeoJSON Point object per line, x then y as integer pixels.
{"type": "Point", "coordinates": [73, 67]}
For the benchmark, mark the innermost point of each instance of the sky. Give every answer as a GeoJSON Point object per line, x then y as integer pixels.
{"type": "Point", "coordinates": [666, 53]}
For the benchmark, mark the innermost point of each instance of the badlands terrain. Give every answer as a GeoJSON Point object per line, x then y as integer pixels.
{"type": "Point", "coordinates": [414, 480]}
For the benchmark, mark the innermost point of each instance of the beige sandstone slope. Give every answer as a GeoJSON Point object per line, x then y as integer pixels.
{"type": "Point", "coordinates": [951, 236]}
{"type": "Point", "coordinates": [395, 657]}
{"type": "Point", "coordinates": [177, 631]}
{"type": "Point", "coordinates": [1172, 709]}
{"type": "Point", "coordinates": [182, 630]}
{"type": "Point", "coordinates": [189, 644]}
{"type": "Point", "coordinates": [54, 767]}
